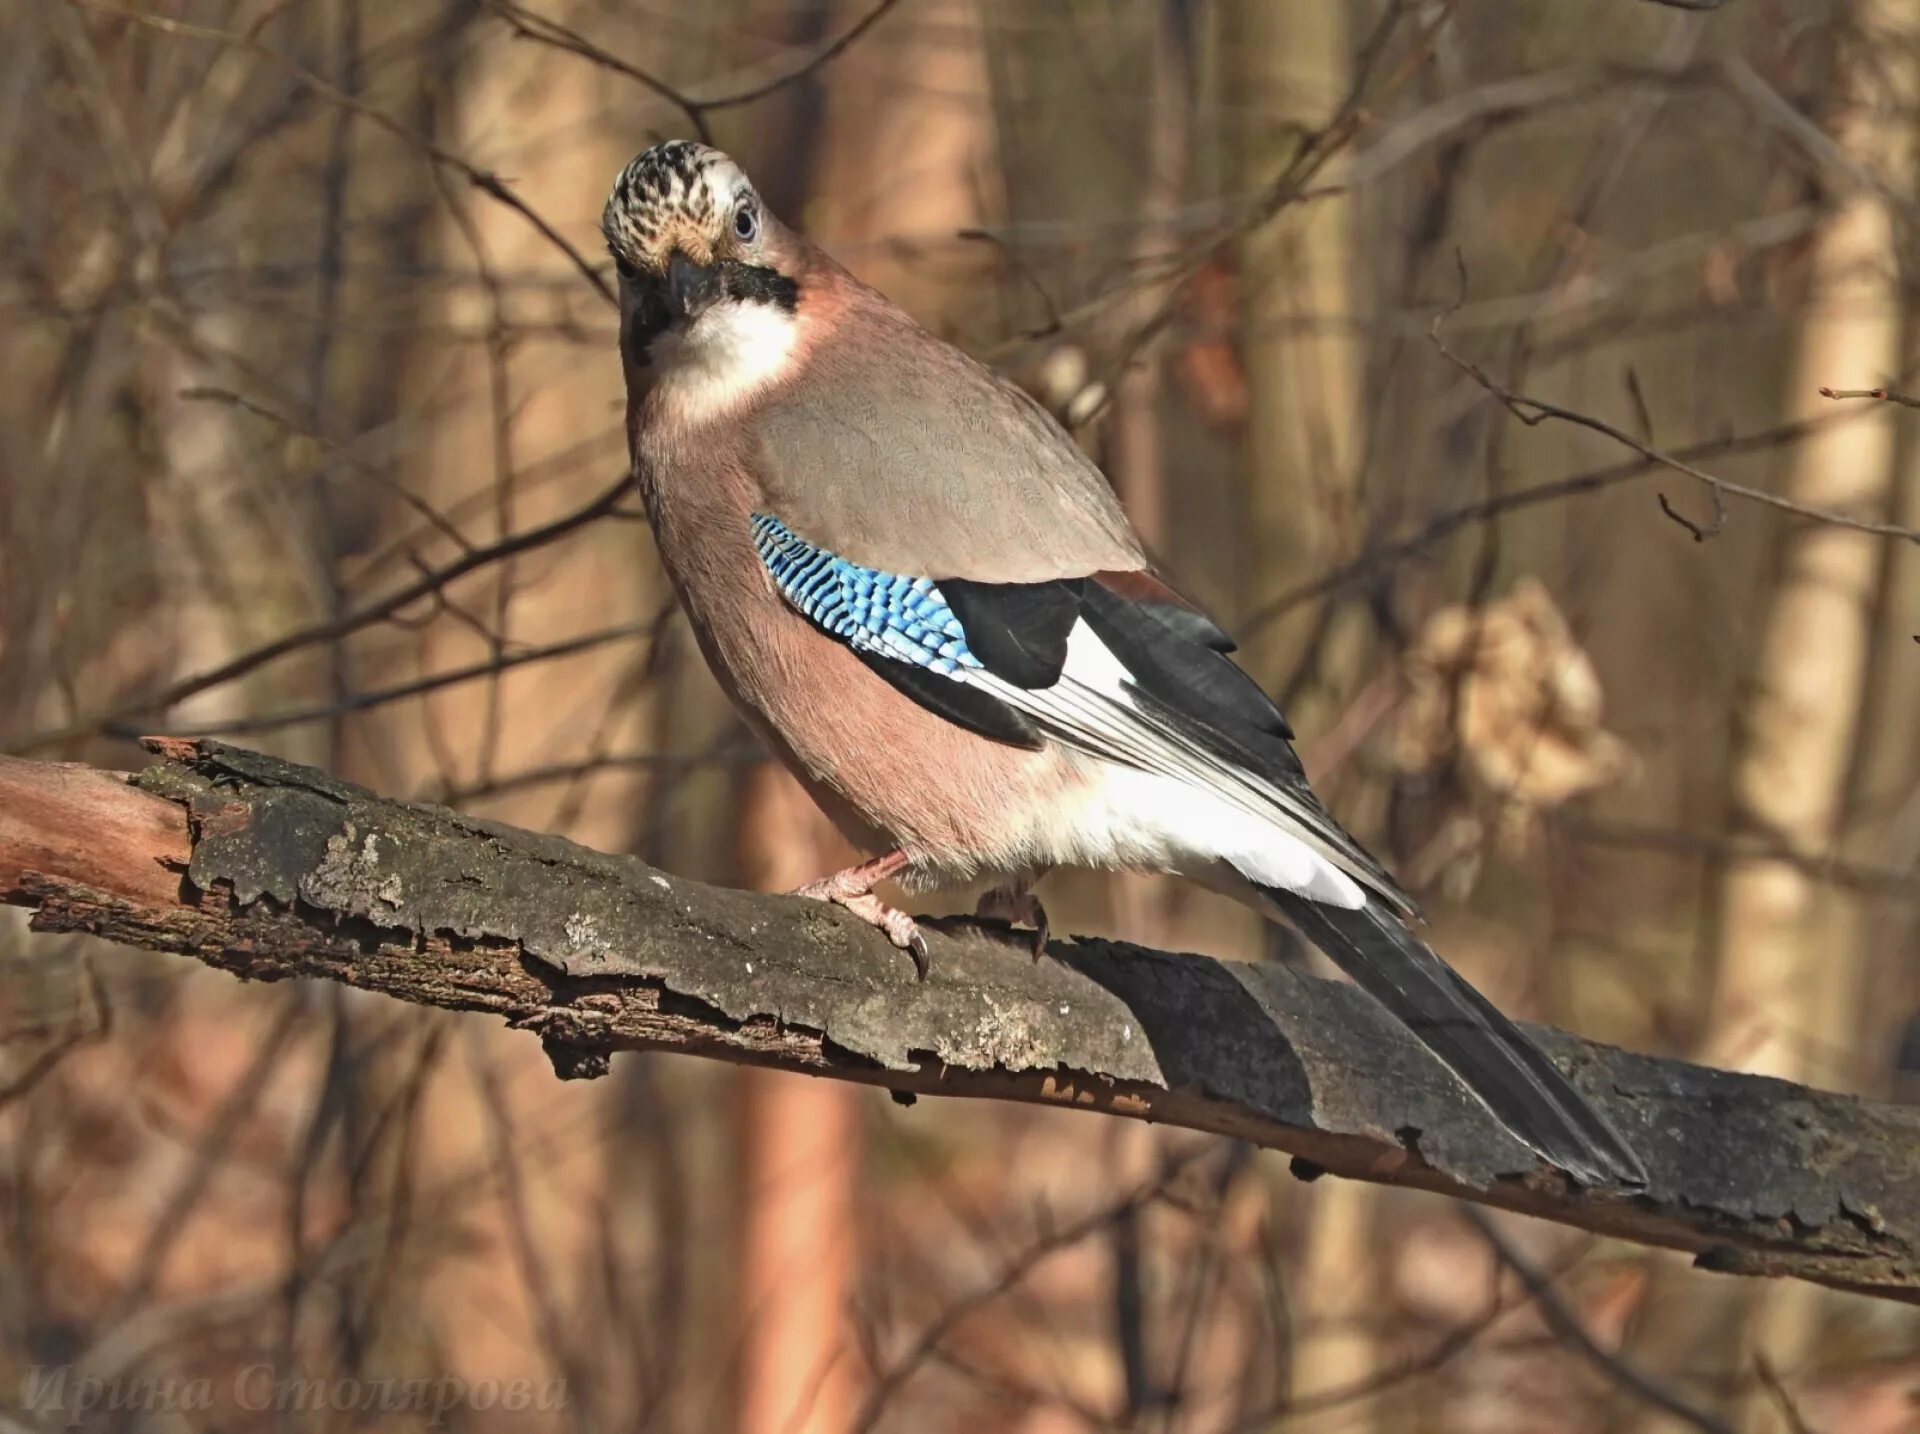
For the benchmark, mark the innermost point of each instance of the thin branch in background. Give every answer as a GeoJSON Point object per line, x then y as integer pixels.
{"type": "Point", "coordinates": [500, 411]}
{"type": "Point", "coordinates": [1571, 1332]}
{"type": "Point", "coordinates": [242, 1100]}
{"type": "Point", "coordinates": [1454, 1343]}
{"type": "Point", "coordinates": [1534, 411]}
{"type": "Point", "coordinates": [482, 179]}
{"type": "Point", "coordinates": [505, 1151]}
{"type": "Point", "coordinates": [95, 1025]}
{"type": "Point", "coordinates": [1884, 395]}
{"type": "Point", "coordinates": [535, 476]}
{"type": "Point", "coordinates": [1316, 151]}
{"type": "Point", "coordinates": [1024, 271]}
{"type": "Point", "coordinates": [1015, 1270]}
{"type": "Point", "coordinates": [1852, 876]}
{"type": "Point", "coordinates": [1204, 1285]}
{"type": "Point", "coordinates": [1777, 1392]}
{"type": "Point", "coordinates": [433, 682]}
{"type": "Point", "coordinates": [827, 53]}
{"type": "Point", "coordinates": [428, 585]}
{"type": "Point", "coordinates": [435, 519]}
{"type": "Point", "coordinates": [1643, 414]}
{"type": "Point", "coordinates": [1700, 534]}
{"type": "Point", "coordinates": [1379, 557]}
{"type": "Point", "coordinates": [530, 25]}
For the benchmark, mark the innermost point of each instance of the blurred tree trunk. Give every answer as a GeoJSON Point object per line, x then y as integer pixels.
{"type": "Point", "coordinates": [1289, 65]}
{"type": "Point", "coordinates": [1786, 977]}
{"type": "Point", "coordinates": [1145, 907]}
{"type": "Point", "coordinates": [1883, 806]}
{"type": "Point", "coordinates": [520, 423]}
{"type": "Point", "coordinates": [905, 145]}
{"type": "Point", "coordinates": [907, 159]}
{"type": "Point", "coordinates": [1137, 458]}
{"type": "Point", "coordinates": [1790, 963]}
{"type": "Point", "coordinates": [800, 1162]}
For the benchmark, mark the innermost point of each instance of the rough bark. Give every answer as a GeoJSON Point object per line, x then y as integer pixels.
{"type": "Point", "coordinates": [271, 871]}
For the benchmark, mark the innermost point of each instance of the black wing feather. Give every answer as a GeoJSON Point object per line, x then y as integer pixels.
{"type": "Point", "coordinates": [1017, 630]}
{"type": "Point", "coordinates": [969, 707]}
{"type": "Point", "coordinates": [1187, 624]}
{"type": "Point", "coordinates": [1172, 655]}
{"type": "Point", "coordinates": [1493, 1057]}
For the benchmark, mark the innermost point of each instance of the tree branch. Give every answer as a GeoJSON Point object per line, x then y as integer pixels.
{"type": "Point", "coordinates": [271, 871]}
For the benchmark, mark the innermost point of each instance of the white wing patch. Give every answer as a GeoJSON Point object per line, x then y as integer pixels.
{"type": "Point", "coordinates": [1162, 823]}
{"type": "Point", "coordinates": [1163, 803]}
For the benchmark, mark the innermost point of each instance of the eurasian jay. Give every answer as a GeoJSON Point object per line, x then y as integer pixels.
{"type": "Point", "coordinates": [928, 602]}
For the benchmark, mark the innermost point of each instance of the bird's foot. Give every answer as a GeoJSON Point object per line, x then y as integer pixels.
{"type": "Point", "coordinates": [898, 927]}
{"type": "Point", "coordinates": [1016, 902]}
{"type": "Point", "coordinates": [853, 890]}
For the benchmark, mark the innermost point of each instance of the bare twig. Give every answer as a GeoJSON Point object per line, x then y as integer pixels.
{"type": "Point", "coordinates": [1853, 876]}
{"type": "Point", "coordinates": [1535, 411]}
{"type": "Point", "coordinates": [1381, 556]}
{"type": "Point", "coordinates": [530, 25]}
{"type": "Point", "coordinates": [433, 682]}
{"type": "Point", "coordinates": [430, 584]}
{"type": "Point", "coordinates": [1571, 1332]}
{"type": "Point", "coordinates": [1700, 533]}
{"type": "Point", "coordinates": [1776, 1391]}
{"type": "Point", "coordinates": [1014, 1271]}
{"type": "Point", "coordinates": [434, 518]}
{"type": "Point", "coordinates": [481, 179]}
{"type": "Point", "coordinates": [1886, 396]}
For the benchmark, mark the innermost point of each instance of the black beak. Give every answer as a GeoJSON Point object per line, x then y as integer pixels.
{"type": "Point", "coordinates": [691, 287]}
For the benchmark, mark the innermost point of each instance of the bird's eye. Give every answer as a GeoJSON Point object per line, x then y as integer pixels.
{"type": "Point", "coordinates": [746, 223]}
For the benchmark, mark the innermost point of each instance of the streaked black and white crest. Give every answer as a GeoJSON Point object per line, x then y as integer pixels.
{"type": "Point", "coordinates": [676, 190]}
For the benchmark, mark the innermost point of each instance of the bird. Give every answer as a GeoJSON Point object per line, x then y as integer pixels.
{"type": "Point", "coordinates": [928, 602]}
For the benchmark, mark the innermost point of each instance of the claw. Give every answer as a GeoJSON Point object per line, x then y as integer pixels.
{"type": "Point", "coordinates": [1017, 903]}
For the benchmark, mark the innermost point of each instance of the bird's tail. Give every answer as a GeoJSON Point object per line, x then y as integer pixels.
{"type": "Point", "coordinates": [1510, 1074]}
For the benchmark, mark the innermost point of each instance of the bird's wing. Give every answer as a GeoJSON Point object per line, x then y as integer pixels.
{"type": "Point", "coordinates": [1112, 664]}
{"type": "Point", "coordinates": [900, 453]}
{"type": "Point", "coordinates": [1118, 666]}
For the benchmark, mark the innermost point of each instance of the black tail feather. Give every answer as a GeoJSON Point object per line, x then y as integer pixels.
{"type": "Point", "coordinates": [1510, 1074]}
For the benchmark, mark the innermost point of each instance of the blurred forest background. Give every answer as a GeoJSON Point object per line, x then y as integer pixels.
{"type": "Point", "coordinates": [310, 437]}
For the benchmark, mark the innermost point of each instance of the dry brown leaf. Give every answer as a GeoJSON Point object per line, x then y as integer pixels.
{"type": "Point", "coordinates": [1507, 694]}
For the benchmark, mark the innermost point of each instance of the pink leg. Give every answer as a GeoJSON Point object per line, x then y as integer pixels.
{"type": "Point", "coordinates": [1016, 902]}
{"type": "Point", "coordinates": [853, 889]}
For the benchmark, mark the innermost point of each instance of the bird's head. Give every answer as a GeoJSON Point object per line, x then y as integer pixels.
{"type": "Point", "coordinates": [697, 252]}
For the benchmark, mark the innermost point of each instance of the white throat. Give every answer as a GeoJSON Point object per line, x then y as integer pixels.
{"type": "Point", "coordinates": [722, 360]}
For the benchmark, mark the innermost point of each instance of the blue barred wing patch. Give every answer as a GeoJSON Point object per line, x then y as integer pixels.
{"type": "Point", "coordinates": [899, 617]}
